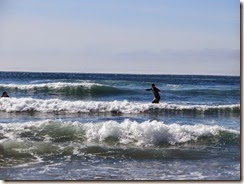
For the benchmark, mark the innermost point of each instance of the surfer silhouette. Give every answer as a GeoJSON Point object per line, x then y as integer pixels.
{"type": "Point", "coordinates": [5, 94]}
{"type": "Point", "coordinates": [155, 93]}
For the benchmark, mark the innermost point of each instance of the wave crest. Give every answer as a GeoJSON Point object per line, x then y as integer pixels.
{"type": "Point", "coordinates": [57, 105]}
{"type": "Point", "coordinates": [31, 141]}
{"type": "Point", "coordinates": [66, 88]}
{"type": "Point", "coordinates": [147, 133]}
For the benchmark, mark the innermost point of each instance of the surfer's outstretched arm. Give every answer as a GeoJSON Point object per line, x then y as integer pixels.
{"type": "Point", "coordinates": [148, 89]}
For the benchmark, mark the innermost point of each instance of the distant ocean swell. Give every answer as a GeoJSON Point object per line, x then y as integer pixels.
{"type": "Point", "coordinates": [57, 105]}
{"type": "Point", "coordinates": [109, 138]}
{"type": "Point", "coordinates": [205, 92]}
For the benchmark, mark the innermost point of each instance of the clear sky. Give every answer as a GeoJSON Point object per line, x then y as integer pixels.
{"type": "Point", "coordinates": [121, 36]}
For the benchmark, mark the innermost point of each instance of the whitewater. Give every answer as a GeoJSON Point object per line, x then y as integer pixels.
{"type": "Point", "coordinates": [57, 105]}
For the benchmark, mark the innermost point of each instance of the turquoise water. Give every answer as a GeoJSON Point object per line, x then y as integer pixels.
{"type": "Point", "coordinates": [60, 126]}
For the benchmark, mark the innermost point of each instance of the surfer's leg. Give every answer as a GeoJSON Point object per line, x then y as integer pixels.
{"type": "Point", "coordinates": [155, 100]}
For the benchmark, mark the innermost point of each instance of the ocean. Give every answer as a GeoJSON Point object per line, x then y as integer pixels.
{"type": "Point", "coordinates": [70, 126]}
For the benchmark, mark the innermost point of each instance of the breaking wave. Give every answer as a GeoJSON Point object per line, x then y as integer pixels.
{"type": "Point", "coordinates": [26, 142]}
{"type": "Point", "coordinates": [66, 88]}
{"type": "Point", "coordinates": [57, 105]}
{"type": "Point", "coordinates": [128, 132]}
{"type": "Point", "coordinates": [51, 85]}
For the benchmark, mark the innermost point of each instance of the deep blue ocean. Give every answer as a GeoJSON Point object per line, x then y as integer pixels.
{"type": "Point", "coordinates": [67, 126]}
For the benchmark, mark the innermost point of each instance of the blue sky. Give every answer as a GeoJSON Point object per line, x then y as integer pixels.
{"type": "Point", "coordinates": [127, 36]}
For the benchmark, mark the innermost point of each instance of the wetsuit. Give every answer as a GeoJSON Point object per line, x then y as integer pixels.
{"type": "Point", "coordinates": [155, 93]}
{"type": "Point", "coordinates": [4, 94]}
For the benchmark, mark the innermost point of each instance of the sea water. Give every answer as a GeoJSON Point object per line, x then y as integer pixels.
{"type": "Point", "coordinates": [66, 126]}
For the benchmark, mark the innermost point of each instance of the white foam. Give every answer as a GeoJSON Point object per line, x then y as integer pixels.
{"type": "Point", "coordinates": [148, 133]}
{"type": "Point", "coordinates": [57, 105]}
{"type": "Point", "coordinates": [128, 132]}
{"type": "Point", "coordinates": [53, 85]}
{"type": "Point", "coordinates": [173, 86]}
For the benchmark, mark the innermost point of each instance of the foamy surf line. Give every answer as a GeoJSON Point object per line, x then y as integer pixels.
{"type": "Point", "coordinates": [51, 85]}
{"type": "Point", "coordinates": [128, 132]}
{"type": "Point", "coordinates": [57, 105]}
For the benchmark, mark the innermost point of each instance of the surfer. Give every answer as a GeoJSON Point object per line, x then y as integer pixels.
{"type": "Point", "coordinates": [155, 93]}
{"type": "Point", "coordinates": [5, 94]}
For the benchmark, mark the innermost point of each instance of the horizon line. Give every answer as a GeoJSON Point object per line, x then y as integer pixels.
{"type": "Point", "coordinates": [121, 73]}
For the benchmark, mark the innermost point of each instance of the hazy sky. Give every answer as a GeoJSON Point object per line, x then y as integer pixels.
{"type": "Point", "coordinates": [121, 36]}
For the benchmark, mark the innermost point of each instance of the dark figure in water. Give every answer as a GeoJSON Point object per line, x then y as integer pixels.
{"type": "Point", "coordinates": [155, 92]}
{"type": "Point", "coordinates": [5, 94]}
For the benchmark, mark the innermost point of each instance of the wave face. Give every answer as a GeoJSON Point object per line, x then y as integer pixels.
{"type": "Point", "coordinates": [57, 105]}
{"type": "Point", "coordinates": [79, 89]}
